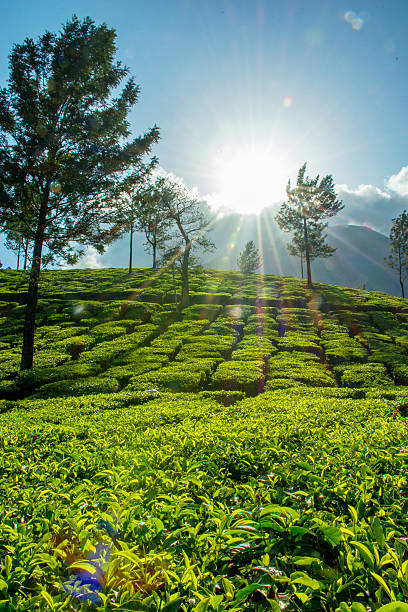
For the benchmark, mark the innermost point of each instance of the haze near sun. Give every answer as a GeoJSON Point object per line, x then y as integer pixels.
{"type": "Point", "coordinates": [248, 181]}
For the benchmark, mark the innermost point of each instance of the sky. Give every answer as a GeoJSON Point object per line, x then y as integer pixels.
{"type": "Point", "coordinates": [245, 91]}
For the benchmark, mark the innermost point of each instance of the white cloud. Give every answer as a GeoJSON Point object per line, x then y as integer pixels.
{"type": "Point", "coordinates": [399, 182]}
{"type": "Point", "coordinates": [365, 192]}
{"type": "Point", "coordinates": [90, 259]}
{"type": "Point", "coordinates": [374, 207]}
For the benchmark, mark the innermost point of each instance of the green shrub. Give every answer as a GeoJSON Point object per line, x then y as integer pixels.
{"type": "Point", "coordinates": [246, 376]}
{"type": "Point", "coordinates": [174, 378]}
{"type": "Point", "coordinates": [80, 386]}
{"type": "Point", "coordinates": [37, 376]}
{"type": "Point", "coordinates": [364, 375]}
{"type": "Point", "coordinates": [202, 311]}
{"type": "Point", "coordinates": [297, 341]}
{"type": "Point", "coordinates": [200, 297]}
{"type": "Point", "coordinates": [400, 374]}
{"type": "Point", "coordinates": [227, 398]}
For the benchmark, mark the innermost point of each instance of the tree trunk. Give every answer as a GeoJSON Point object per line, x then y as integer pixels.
{"type": "Point", "coordinates": [25, 254]}
{"type": "Point", "coordinates": [185, 296]}
{"type": "Point", "coordinates": [400, 272]}
{"type": "Point", "coordinates": [307, 254]}
{"type": "Point", "coordinates": [173, 269]}
{"type": "Point", "coordinates": [27, 354]}
{"type": "Point", "coordinates": [18, 254]}
{"type": "Point", "coordinates": [131, 247]}
{"type": "Point", "coordinates": [154, 253]}
{"type": "Point", "coordinates": [301, 265]}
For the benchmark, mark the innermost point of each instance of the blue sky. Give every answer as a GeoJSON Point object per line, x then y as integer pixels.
{"type": "Point", "coordinates": [315, 80]}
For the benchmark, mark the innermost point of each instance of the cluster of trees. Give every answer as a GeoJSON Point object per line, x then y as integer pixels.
{"type": "Point", "coordinates": [71, 174]}
{"type": "Point", "coordinates": [173, 220]}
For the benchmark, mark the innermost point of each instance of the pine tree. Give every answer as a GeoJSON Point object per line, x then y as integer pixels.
{"type": "Point", "coordinates": [65, 151]}
{"type": "Point", "coordinates": [318, 248]}
{"type": "Point", "coordinates": [129, 206]}
{"type": "Point", "coordinates": [308, 202]}
{"type": "Point", "coordinates": [398, 258]}
{"type": "Point", "coordinates": [249, 260]}
{"type": "Point", "coordinates": [153, 221]}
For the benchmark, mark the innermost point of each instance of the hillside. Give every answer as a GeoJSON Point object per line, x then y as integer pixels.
{"type": "Point", "coordinates": [248, 454]}
{"type": "Point", "coordinates": [358, 261]}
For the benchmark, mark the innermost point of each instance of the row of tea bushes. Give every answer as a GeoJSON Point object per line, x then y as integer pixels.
{"type": "Point", "coordinates": [339, 346]}
{"type": "Point", "coordinates": [298, 368]}
{"type": "Point", "coordinates": [276, 502]}
{"type": "Point", "coordinates": [106, 337]}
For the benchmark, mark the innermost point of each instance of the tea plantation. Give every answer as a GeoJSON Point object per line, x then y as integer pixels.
{"type": "Point", "coordinates": [250, 453]}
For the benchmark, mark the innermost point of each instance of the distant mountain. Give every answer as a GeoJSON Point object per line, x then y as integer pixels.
{"type": "Point", "coordinates": [358, 261]}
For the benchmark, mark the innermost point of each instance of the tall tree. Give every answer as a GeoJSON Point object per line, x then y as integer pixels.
{"type": "Point", "coordinates": [188, 220]}
{"type": "Point", "coordinates": [155, 227]}
{"type": "Point", "coordinates": [308, 202]}
{"type": "Point", "coordinates": [398, 257]}
{"type": "Point", "coordinates": [250, 259]}
{"type": "Point", "coordinates": [129, 205]}
{"type": "Point", "coordinates": [64, 145]}
{"type": "Point", "coordinates": [318, 248]}
{"type": "Point", "coordinates": [152, 220]}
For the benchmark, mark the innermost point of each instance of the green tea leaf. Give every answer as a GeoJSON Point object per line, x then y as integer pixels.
{"type": "Point", "coordinates": [378, 531]}
{"type": "Point", "coordinates": [365, 553]}
{"type": "Point", "coordinates": [358, 607]}
{"type": "Point", "coordinates": [384, 585]}
{"type": "Point", "coordinates": [394, 606]}
{"type": "Point", "coordinates": [333, 535]}
{"type": "Point", "coordinates": [47, 597]}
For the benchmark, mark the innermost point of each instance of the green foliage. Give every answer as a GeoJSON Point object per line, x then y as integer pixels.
{"type": "Point", "coordinates": [142, 474]}
{"type": "Point", "coordinates": [80, 386]}
{"type": "Point", "coordinates": [309, 202]}
{"type": "Point", "coordinates": [364, 375]}
{"type": "Point", "coordinates": [245, 375]}
{"type": "Point", "coordinates": [250, 259]}
{"type": "Point", "coordinates": [279, 499]}
{"type": "Point", "coordinates": [398, 258]}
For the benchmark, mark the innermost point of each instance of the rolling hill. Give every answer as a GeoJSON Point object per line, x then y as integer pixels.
{"type": "Point", "coordinates": [248, 453]}
{"type": "Point", "coordinates": [358, 261]}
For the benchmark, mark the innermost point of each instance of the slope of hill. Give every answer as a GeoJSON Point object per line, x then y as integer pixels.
{"type": "Point", "coordinates": [358, 261]}
{"type": "Point", "coordinates": [248, 453]}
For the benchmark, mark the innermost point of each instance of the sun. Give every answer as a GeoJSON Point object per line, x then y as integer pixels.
{"type": "Point", "coordinates": [249, 181]}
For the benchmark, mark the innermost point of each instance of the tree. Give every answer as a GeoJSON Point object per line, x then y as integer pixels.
{"type": "Point", "coordinates": [18, 240]}
{"type": "Point", "coordinates": [310, 201]}
{"type": "Point", "coordinates": [129, 205]}
{"type": "Point", "coordinates": [188, 221]}
{"type": "Point", "coordinates": [317, 244]}
{"type": "Point", "coordinates": [65, 151]}
{"type": "Point", "coordinates": [249, 260]}
{"type": "Point", "coordinates": [152, 221]}
{"type": "Point", "coordinates": [398, 258]}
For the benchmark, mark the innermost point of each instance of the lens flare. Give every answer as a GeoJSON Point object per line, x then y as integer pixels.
{"type": "Point", "coordinates": [356, 21]}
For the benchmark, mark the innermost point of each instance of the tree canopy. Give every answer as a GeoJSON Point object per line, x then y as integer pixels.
{"type": "Point", "coordinates": [308, 203]}
{"type": "Point", "coordinates": [65, 146]}
{"type": "Point", "coordinates": [398, 257]}
{"type": "Point", "coordinates": [250, 259]}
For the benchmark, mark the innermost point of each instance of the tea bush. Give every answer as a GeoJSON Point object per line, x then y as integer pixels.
{"type": "Point", "coordinates": [248, 453]}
